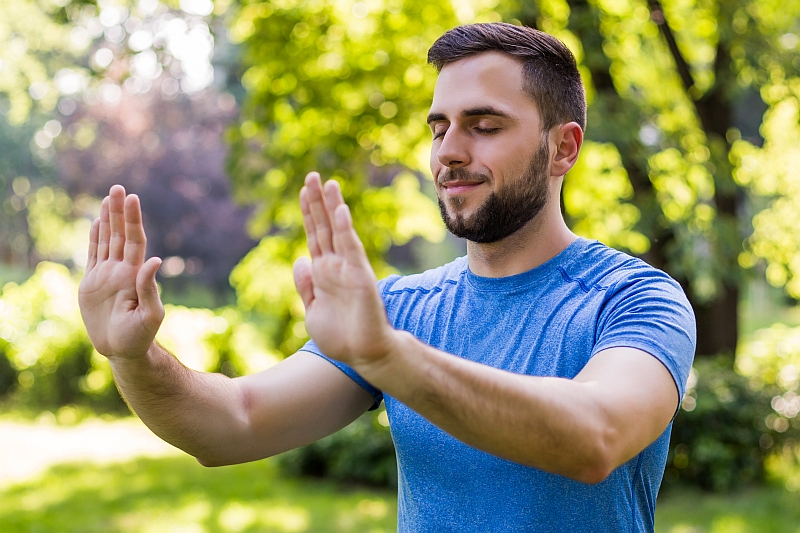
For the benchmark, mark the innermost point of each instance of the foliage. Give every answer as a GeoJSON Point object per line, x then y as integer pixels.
{"type": "Point", "coordinates": [715, 437]}
{"type": "Point", "coordinates": [363, 452]}
{"type": "Point", "coordinates": [37, 44]}
{"type": "Point", "coordinates": [772, 361]}
{"type": "Point", "coordinates": [595, 199]}
{"type": "Point", "coordinates": [221, 340]}
{"type": "Point", "coordinates": [772, 173]}
{"type": "Point", "coordinates": [47, 361]}
{"type": "Point", "coordinates": [43, 338]}
{"type": "Point", "coordinates": [148, 114]}
{"type": "Point", "coordinates": [59, 225]}
{"type": "Point", "coordinates": [38, 48]}
{"type": "Point", "coordinates": [675, 87]}
{"type": "Point", "coordinates": [169, 152]}
{"type": "Point", "coordinates": [177, 494]}
{"type": "Point", "coordinates": [351, 103]}
{"type": "Point", "coordinates": [730, 423]}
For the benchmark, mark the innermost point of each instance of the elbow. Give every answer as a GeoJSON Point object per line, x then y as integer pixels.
{"type": "Point", "coordinates": [211, 463]}
{"type": "Point", "coordinates": [599, 461]}
{"type": "Point", "coordinates": [593, 474]}
{"type": "Point", "coordinates": [245, 456]}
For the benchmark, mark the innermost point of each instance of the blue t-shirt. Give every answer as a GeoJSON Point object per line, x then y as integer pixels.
{"type": "Point", "coordinates": [548, 321]}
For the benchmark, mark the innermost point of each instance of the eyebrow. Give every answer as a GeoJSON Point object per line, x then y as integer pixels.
{"type": "Point", "coordinates": [474, 112]}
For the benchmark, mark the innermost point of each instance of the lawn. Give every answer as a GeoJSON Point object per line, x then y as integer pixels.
{"type": "Point", "coordinates": [176, 495]}
{"type": "Point", "coordinates": [771, 509]}
{"type": "Point", "coordinates": [92, 477]}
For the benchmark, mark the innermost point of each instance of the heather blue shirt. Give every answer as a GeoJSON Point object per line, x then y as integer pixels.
{"type": "Point", "coordinates": [548, 321]}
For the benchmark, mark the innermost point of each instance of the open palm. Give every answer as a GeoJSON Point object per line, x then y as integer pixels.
{"type": "Point", "coordinates": [118, 296]}
{"type": "Point", "coordinates": [344, 312]}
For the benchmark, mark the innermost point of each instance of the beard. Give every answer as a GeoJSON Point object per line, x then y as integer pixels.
{"type": "Point", "coordinates": [506, 210]}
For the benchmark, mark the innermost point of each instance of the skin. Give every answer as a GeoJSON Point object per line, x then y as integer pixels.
{"type": "Point", "coordinates": [581, 428]}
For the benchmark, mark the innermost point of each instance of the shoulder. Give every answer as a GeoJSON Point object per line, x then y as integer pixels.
{"type": "Point", "coordinates": [602, 268]}
{"type": "Point", "coordinates": [634, 293]}
{"type": "Point", "coordinates": [433, 280]}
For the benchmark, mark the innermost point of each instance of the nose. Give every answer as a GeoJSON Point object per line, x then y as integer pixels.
{"type": "Point", "coordinates": [453, 151]}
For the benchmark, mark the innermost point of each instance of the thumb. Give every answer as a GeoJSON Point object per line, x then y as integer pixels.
{"type": "Point", "coordinates": [303, 280]}
{"type": "Point", "coordinates": [146, 288]}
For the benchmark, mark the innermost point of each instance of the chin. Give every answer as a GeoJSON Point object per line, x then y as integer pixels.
{"type": "Point", "coordinates": [464, 216]}
{"type": "Point", "coordinates": [459, 206]}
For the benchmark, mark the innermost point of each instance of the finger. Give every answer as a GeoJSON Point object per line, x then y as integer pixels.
{"type": "Point", "coordinates": [303, 280]}
{"type": "Point", "coordinates": [333, 199]}
{"type": "Point", "coordinates": [116, 211]}
{"type": "Point", "coordinates": [316, 204]}
{"type": "Point", "coordinates": [147, 289]}
{"type": "Point", "coordinates": [308, 224]}
{"type": "Point", "coordinates": [347, 241]}
{"type": "Point", "coordinates": [94, 235]}
{"type": "Point", "coordinates": [135, 239]}
{"type": "Point", "coordinates": [104, 233]}
{"type": "Point", "coordinates": [333, 196]}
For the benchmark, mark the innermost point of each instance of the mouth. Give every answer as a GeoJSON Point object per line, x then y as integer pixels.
{"type": "Point", "coordinates": [460, 186]}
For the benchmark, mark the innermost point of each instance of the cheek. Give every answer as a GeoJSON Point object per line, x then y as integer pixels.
{"type": "Point", "coordinates": [435, 165]}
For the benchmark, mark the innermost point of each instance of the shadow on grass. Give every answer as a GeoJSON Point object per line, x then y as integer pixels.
{"type": "Point", "coordinates": [769, 509]}
{"type": "Point", "coordinates": [177, 495]}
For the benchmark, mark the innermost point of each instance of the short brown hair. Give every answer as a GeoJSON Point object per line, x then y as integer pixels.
{"type": "Point", "coordinates": [550, 72]}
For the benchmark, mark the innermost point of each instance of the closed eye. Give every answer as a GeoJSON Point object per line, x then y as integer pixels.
{"type": "Point", "coordinates": [487, 131]}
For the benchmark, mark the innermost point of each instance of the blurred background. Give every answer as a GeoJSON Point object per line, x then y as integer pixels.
{"type": "Point", "coordinates": [213, 112]}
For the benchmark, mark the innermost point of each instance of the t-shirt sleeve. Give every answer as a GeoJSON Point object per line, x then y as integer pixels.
{"type": "Point", "coordinates": [650, 312]}
{"type": "Point", "coordinates": [376, 394]}
{"type": "Point", "coordinates": [312, 347]}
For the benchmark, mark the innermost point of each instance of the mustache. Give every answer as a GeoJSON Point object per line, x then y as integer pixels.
{"type": "Point", "coordinates": [459, 174]}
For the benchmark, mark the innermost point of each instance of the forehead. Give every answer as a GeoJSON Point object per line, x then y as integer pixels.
{"type": "Point", "coordinates": [487, 79]}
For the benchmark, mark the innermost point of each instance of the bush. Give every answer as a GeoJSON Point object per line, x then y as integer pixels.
{"type": "Point", "coordinates": [47, 359]}
{"type": "Point", "coordinates": [8, 375]}
{"type": "Point", "coordinates": [363, 452]}
{"type": "Point", "coordinates": [727, 428]}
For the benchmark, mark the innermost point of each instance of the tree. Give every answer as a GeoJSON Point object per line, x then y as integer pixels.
{"type": "Point", "coordinates": [36, 46]}
{"type": "Point", "coordinates": [338, 88]}
{"type": "Point", "coordinates": [686, 81]}
{"type": "Point", "coordinates": [672, 170]}
{"type": "Point", "coordinates": [127, 95]}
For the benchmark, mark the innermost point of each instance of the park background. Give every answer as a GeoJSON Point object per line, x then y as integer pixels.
{"type": "Point", "coordinates": [213, 111]}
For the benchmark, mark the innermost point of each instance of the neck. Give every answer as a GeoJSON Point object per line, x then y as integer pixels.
{"type": "Point", "coordinates": [541, 239]}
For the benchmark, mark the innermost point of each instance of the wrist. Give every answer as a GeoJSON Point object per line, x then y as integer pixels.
{"type": "Point", "coordinates": [388, 370]}
{"type": "Point", "coordinates": [141, 359]}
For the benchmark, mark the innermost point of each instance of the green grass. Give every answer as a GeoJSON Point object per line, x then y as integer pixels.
{"type": "Point", "coordinates": [770, 509]}
{"type": "Point", "coordinates": [176, 495]}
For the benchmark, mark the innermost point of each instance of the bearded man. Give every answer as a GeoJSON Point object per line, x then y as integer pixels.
{"type": "Point", "coordinates": [530, 385]}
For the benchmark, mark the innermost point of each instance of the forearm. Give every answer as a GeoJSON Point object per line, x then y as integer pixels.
{"type": "Point", "coordinates": [200, 413]}
{"type": "Point", "coordinates": [549, 423]}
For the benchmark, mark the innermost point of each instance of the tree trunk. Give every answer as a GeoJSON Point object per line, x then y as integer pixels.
{"type": "Point", "coordinates": [717, 319]}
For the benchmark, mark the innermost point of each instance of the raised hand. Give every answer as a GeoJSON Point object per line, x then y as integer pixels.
{"type": "Point", "coordinates": [118, 296]}
{"type": "Point", "coordinates": [344, 312]}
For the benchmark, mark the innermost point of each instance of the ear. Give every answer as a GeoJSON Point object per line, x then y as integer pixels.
{"type": "Point", "coordinates": [567, 139]}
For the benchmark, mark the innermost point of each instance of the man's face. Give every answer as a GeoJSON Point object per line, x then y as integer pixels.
{"type": "Point", "coordinates": [489, 158]}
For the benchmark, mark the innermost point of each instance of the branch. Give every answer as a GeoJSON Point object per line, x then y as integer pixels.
{"type": "Point", "coordinates": [657, 15]}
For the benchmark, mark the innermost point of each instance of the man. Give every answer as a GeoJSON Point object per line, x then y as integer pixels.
{"type": "Point", "coordinates": [530, 386]}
